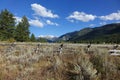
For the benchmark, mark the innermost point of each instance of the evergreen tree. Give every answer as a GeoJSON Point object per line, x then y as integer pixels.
{"type": "Point", "coordinates": [26, 25]}
{"type": "Point", "coordinates": [33, 39]}
{"type": "Point", "coordinates": [7, 25]}
{"type": "Point", "coordinates": [22, 30]}
{"type": "Point", "coordinates": [19, 32]}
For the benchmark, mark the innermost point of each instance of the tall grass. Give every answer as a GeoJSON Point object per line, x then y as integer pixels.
{"type": "Point", "coordinates": [30, 62]}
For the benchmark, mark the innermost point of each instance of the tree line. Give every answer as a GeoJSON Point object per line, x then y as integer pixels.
{"type": "Point", "coordinates": [10, 30]}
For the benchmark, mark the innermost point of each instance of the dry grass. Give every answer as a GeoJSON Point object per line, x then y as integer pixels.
{"type": "Point", "coordinates": [30, 62]}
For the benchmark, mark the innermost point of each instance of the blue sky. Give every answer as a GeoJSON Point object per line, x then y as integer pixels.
{"type": "Point", "coordinates": [57, 17]}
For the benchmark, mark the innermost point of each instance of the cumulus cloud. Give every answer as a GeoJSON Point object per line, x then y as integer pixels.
{"type": "Point", "coordinates": [42, 11]}
{"type": "Point", "coordinates": [112, 16]}
{"type": "Point", "coordinates": [51, 23]}
{"type": "Point", "coordinates": [81, 16]}
{"type": "Point", "coordinates": [17, 19]}
{"type": "Point", "coordinates": [33, 22]}
{"type": "Point", "coordinates": [36, 23]}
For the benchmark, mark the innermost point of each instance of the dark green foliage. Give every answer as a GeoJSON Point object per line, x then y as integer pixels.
{"type": "Point", "coordinates": [7, 25]}
{"type": "Point", "coordinates": [22, 30]}
{"type": "Point", "coordinates": [108, 34]}
{"type": "Point", "coordinates": [105, 34]}
{"type": "Point", "coordinates": [32, 38]}
{"type": "Point", "coordinates": [41, 40]}
{"type": "Point", "coordinates": [73, 35]}
{"type": "Point", "coordinates": [10, 31]}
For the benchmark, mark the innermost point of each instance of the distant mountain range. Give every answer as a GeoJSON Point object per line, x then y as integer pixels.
{"type": "Point", "coordinates": [109, 33]}
{"type": "Point", "coordinates": [48, 38]}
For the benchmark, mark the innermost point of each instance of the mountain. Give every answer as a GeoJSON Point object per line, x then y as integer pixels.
{"type": "Point", "coordinates": [107, 33]}
{"type": "Point", "coordinates": [75, 34]}
{"type": "Point", "coordinates": [48, 38]}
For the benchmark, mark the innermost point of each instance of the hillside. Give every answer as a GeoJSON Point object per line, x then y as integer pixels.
{"type": "Point", "coordinates": [75, 34]}
{"type": "Point", "coordinates": [108, 33]}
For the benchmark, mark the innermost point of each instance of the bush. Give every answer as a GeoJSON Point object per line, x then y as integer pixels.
{"type": "Point", "coordinates": [11, 40]}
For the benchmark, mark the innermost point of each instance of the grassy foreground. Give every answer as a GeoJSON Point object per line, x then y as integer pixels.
{"type": "Point", "coordinates": [44, 62]}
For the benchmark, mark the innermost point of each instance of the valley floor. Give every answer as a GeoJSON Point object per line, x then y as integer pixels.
{"type": "Point", "coordinates": [47, 61]}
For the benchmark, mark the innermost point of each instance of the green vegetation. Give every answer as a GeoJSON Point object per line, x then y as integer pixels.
{"type": "Point", "coordinates": [22, 30]}
{"type": "Point", "coordinates": [43, 40]}
{"type": "Point", "coordinates": [7, 25]}
{"type": "Point", "coordinates": [105, 34]}
{"type": "Point", "coordinates": [12, 31]}
{"type": "Point", "coordinates": [32, 38]}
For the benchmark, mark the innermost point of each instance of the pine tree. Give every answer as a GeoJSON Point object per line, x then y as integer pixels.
{"type": "Point", "coordinates": [19, 32]}
{"type": "Point", "coordinates": [26, 25]}
{"type": "Point", "coordinates": [7, 25]}
{"type": "Point", "coordinates": [22, 30]}
{"type": "Point", "coordinates": [33, 39]}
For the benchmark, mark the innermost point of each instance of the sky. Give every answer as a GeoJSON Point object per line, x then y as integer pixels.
{"type": "Point", "coordinates": [57, 17]}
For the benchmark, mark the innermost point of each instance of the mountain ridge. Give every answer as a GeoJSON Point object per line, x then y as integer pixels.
{"type": "Point", "coordinates": [108, 33]}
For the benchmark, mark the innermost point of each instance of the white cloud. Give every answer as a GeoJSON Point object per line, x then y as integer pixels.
{"type": "Point", "coordinates": [47, 36]}
{"type": "Point", "coordinates": [18, 19]}
{"type": "Point", "coordinates": [36, 23]}
{"type": "Point", "coordinates": [103, 23]}
{"type": "Point", "coordinates": [91, 25]}
{"type": "Point", "coordinates": [51, 23]}
{"type": "Point", "coordinates": [112, 16]}
{"type": "Point", "coordinates": [81, 16]}
{"type": "Point", "coordinates": [33, 22]}
{"type": "Point", "coordinates": [42, 11]}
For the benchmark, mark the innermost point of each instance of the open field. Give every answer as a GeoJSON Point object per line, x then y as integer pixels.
{"type": "Point", "coordinates": [44, 61]}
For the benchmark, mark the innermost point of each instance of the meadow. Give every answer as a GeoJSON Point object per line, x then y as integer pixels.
{"type": "Point", "coordinates": [45, 61]}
